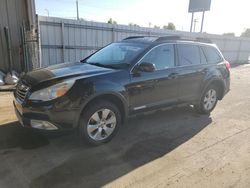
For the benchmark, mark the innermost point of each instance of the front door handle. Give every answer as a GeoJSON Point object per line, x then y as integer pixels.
{"type": "Point", "coordinates": [204, 70]}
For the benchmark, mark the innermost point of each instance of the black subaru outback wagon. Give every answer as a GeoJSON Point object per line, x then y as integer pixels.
{"type": "Point", "coordinates": [135, 75]}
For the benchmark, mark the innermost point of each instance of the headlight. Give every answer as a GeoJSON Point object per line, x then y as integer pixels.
{"type": "Point", "coordinates": [52, 92]}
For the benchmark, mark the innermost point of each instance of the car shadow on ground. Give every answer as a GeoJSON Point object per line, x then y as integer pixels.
{"type": "Point", "coordinates": [141, 140]}
{"type": "Point", "coordinates": [12, 135]}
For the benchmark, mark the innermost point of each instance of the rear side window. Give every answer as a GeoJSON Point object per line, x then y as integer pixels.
{"type": "Point", "coordinates": [188, 54]}
{"type": "Point", "coordinates": [212, 55]}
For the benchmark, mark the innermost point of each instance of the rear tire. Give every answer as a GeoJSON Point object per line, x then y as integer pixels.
{"type": "Point", "coordinates": [99, 122]}
{"type": "Point", "coordinates": [208, 100]}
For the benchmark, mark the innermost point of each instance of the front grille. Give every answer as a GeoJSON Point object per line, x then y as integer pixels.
{"type": "Point", "coordinates": [21, 91]}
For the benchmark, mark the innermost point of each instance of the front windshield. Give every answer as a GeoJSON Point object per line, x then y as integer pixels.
{"type": "Point", "coordinates": [116, 53]}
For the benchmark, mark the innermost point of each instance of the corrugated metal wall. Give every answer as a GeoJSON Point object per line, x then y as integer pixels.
{"type": "Point", "coordinates": [12, 14]}
{"type": "Point", "coordinates": [65, 40]}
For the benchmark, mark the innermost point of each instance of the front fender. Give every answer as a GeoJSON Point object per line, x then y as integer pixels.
{"type": "Point", "coordinates": [100, 89]}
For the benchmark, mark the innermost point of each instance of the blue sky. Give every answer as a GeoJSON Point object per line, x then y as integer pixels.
{"type": "Point", "coordinates": [225, 15]}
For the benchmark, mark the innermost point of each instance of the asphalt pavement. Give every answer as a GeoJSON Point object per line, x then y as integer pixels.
{"type": "Point", "coordinates": [173, 148]}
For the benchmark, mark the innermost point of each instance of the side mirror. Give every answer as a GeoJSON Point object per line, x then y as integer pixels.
{"type": "Point", "coordinates": [146, 67]}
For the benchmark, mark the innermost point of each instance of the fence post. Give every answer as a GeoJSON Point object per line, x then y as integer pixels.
{"type": "Point", "coordinates": [113, 34]}
{"type": "Point", "coordinates": [38, 41]}
{"type": "Point", "coordinates": [63, 42]}
{"type": "Point", "coordinates": [239, 51]}
{"type": "Point", "coordinates": [224, 44]}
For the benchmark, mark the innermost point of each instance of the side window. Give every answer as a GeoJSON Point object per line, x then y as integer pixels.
{"type": "Point", "coordinates": [188, 54]}
{"type": "Point", "coordinates": [211, 54]}
{"type": "Point", "coordinates": [162, 57]}
{"type": "Point", "coordinates": [203, 58]}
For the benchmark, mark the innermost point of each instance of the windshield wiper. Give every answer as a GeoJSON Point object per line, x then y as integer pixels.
{"type": "Point", "coordinates": [115, 66]}
{"type": "Point", "coordinates": [99, 65]}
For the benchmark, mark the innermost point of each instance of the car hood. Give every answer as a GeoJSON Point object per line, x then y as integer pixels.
{"type": "Point", "coordinates": [64, 70]}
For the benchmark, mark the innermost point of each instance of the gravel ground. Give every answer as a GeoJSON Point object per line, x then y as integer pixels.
{"type": "Point", "coordinates": [175, 148]}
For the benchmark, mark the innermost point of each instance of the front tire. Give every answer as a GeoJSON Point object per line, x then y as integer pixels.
{"type": "Point", "coordinates": [208, 100]}
{"type": "Point", "coordinates": [99, 122]}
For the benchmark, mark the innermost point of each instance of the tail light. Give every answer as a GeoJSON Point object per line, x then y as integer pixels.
{"type": "Point", "coordinates": [228, 65]}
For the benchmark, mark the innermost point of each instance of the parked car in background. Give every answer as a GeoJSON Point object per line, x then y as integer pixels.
{"type": "Point", "coordinates": [135, 75]}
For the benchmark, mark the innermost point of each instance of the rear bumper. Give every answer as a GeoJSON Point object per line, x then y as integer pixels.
{"type": "Point", "coordinates": [227, 86]}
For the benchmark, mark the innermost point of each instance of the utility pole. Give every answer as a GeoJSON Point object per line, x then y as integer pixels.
{"type": "Point", "coordinates": [77, 10]}
{"type": "Point", "coordinates": [47, 11]}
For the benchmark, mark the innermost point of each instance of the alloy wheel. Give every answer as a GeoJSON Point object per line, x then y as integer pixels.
{"type": "Point", "coordinates": [101, 124]}
{"type": "Point", "coordinates": [210, 99]}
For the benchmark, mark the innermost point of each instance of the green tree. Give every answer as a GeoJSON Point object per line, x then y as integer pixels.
{"type": "Point", "coordinates": [157, 27]}
{"type": "Point", "coordinates": [111, 21]}
{"type": "Point", "coordinates": [170, 26]}
{"type": "Point", "coordinates": [229, 34]}
{"type": "Point", "coordinates": [246, 33]}
{"type": "Point", "coordinates": [132, 24]}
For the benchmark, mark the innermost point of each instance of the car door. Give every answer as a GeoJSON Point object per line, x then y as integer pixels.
{"type": "Point", "coordinates": [191, 69]}
{"type": "Point", "coordinates": [151, 89]}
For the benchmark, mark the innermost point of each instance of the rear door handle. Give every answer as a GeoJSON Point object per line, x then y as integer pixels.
{"type": "Point", "coordinates": [173, 75]}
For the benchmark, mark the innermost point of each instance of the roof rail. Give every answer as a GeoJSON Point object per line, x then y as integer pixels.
{"type": "Point", "coordinates": [134, 37]}
{"type": "Point", "coordinates": [146, 38]}
{"type": "Point", "coordinates": [170, 37]}
{"type": "Point", "coordinates": [184, 38]}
